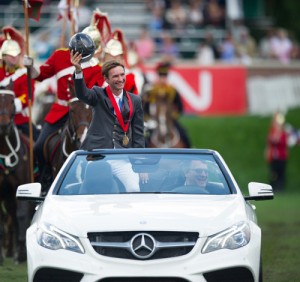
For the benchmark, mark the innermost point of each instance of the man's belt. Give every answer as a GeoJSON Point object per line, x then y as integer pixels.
{"type": "Point", "coordinates": [62, 102]}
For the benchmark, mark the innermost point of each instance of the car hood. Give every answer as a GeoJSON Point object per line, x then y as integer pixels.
{"type": "Point", "coordinates": [205, 214]}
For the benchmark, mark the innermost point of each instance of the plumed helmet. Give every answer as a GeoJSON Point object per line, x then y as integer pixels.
{"type": "Point", "coordinates": [94, 33]}
{"type": "Point", "coordinates": [14, 42]}
{"type": "Point", "coordinates": [84, 44]}
{"type": "Point", "coordinates": [10, 47]}
{"type": "Point", "coordinates": [100, 20]}
{"type": "Point", "coordinates": [116, 45]}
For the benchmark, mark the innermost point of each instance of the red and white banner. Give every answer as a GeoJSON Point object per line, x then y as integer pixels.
{"type": "Point", "coordinates": [209, 90]}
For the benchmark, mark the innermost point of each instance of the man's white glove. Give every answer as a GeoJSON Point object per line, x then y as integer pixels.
{"type": "Point", "coordinates": [27, 61]}
{"type": "Point", "coordinates": [18, 105]}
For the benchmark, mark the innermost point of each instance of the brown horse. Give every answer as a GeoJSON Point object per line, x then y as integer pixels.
{"type": "Point", "coordinates": [14, 171]}
{"type": "Point", "coordinates": [62, 143]}
{"type": "Point", "coordinates": [163, 132]}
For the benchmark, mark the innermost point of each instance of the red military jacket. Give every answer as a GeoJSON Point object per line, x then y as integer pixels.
{"type": "Point", "coordinates": [59, 65]}
{"type": "Point", "coordinates": [130, 84]}
{"type": "Point", "coordinates": [20, 87]}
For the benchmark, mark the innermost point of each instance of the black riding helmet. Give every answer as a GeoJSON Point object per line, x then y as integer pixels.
{"type": "Point", "coordinates": [84, 44]}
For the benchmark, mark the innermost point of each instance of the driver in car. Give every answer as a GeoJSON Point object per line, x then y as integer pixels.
{"type": "Point", "coordinates": [196, 174]}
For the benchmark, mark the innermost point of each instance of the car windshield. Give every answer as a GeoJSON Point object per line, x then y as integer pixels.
{"type": "Point", "coordinates": [144, 173]}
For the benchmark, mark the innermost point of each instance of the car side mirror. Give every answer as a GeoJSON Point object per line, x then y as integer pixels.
{"type": "Point", "coordinates": [30, 192]}
{"type": "Point", "coordinates": [259, 191]}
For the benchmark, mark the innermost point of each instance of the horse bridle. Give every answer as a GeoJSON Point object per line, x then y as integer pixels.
{"type": "Point", "coordinates": [13, 151]}
{"type": "Point", "coordinates": [71, 129]}
{"type": "Point", "coordinates": [74, 128]}
{"type": "Point", "coordinates": [4, 111]}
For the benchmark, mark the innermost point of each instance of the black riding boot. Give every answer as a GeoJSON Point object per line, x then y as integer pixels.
{"type": "Point", "coordinates": [46, 179]}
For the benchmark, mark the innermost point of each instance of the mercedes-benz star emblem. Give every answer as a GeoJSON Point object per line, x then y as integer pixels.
{"type": "Point", "coordinates": [143, 245]}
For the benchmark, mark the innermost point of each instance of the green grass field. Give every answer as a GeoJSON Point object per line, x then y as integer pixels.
{"type": "Point", "coordinates": [241, 141]}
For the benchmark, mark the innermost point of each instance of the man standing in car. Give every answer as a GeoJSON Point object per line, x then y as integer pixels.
{"type": "Point", "coordinates": [118, 119]}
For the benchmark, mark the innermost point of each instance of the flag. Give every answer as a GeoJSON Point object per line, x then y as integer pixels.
{"type": "Point", "coordinates": [34, 8]}
{"type": "Point", "coordinates": [64, 5]}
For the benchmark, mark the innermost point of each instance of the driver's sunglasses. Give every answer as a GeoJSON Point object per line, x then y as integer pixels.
{"type": "Point", "coordinates": [199, 170]}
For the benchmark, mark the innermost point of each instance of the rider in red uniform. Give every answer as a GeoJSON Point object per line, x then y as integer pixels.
{"type": "Point", "coordinates": [12, 71]}
{"type": "Point", "coordinates": [115, 49]}
{"type": "Point", "coordinates": [13, 76]}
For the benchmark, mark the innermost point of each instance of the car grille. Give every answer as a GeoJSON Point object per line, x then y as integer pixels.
{"type": "Point", "coordinates": [141, 245]}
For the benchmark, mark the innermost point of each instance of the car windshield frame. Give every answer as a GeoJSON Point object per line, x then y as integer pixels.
{"type": "Point", "coordinates": [157, 171]}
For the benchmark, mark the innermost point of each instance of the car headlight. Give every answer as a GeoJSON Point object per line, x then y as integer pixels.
{"type": "Point", "coordinates": [231, 238]}
{"type": "Point", "coordinates": [50, 237]}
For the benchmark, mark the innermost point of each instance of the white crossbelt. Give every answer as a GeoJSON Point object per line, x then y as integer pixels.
{"type": "Point", "coordinates": [70, 70]}
{"type": "Point", "coordinates": [18, 73]}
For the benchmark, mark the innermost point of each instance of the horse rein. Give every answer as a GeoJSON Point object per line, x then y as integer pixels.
{"type": "Point", "coordinates": [71, 130]}
{"type": "Point", "coordinates": [13, 151]}
{"type": "Point", "coordinates": [4, 111]}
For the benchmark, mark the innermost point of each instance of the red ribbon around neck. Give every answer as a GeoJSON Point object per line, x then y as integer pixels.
{"type": "Point", "coordinates": [112, 99]}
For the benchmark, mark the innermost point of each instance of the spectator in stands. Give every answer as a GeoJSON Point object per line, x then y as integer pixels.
{"type": "Point", "coordinates": [144, 45]}
{"type": "Point", "coordinates": [281, 46]}
{"type": "Point", "coordinates": [168, 48]}
{"type": "Point", "coordinates": [245, 46]}
{"type": "Point", "coordinates": [265, 51]}
{"type": "Point", "coordinates": [208, 51]}
{"type": "Point", "coordinates": [227, 49]}
{"type": "Point", "coordinates": [214, 13]}
{"type": "Point", "coordinates": [156, 23]}
{"type": "Point", "coordinates": [195, 13]}
{"type": "Point", "coordinates": [176, 16]}
{"type": "Point", "coordinates": [153, 4]}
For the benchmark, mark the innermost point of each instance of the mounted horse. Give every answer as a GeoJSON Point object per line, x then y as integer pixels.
{"type": "Point", "coordinates": [14, 171]}
{"type": "Point", "coordinates": [63, 142]}
{"type": "Point", "coordinates": [162, 128]}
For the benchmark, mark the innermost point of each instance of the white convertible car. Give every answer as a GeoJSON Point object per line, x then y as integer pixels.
{"type": "Point", "coordinates": [155, 215]}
